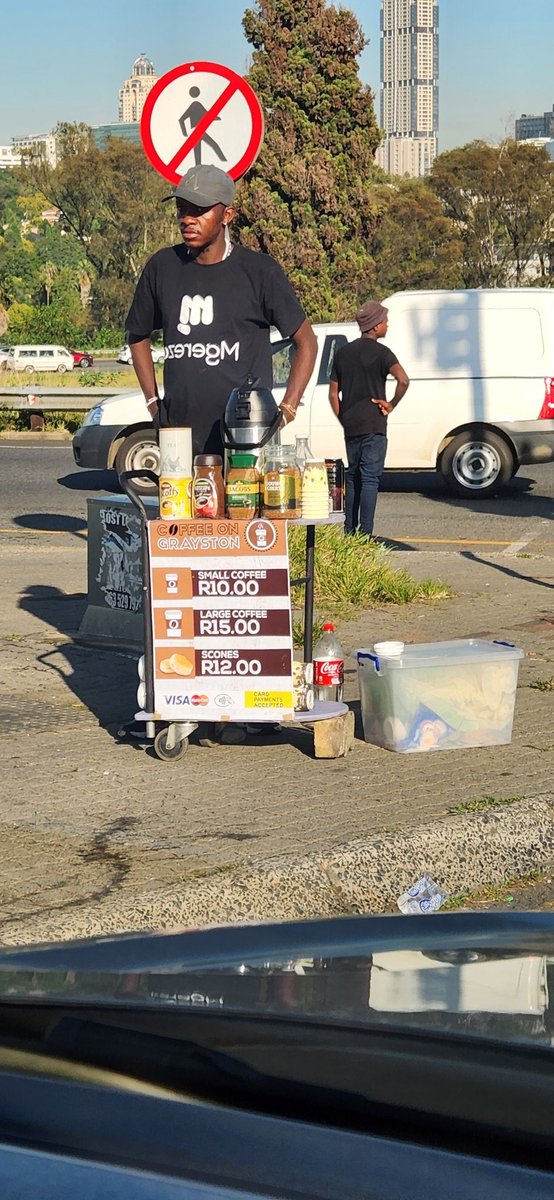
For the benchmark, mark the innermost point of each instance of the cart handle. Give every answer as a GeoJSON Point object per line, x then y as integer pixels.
{"type": "Point", "coordinates": [126, 479]}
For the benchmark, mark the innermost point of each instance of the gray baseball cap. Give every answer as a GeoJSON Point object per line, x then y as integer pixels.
{"type": "Point", "coordinates": [205, 186]}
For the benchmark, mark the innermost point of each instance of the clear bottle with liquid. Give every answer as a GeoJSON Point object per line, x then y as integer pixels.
{"type": "Point", "coordinates": [303, 452]}
{"type": "Point", "coordinates": [328, 661]}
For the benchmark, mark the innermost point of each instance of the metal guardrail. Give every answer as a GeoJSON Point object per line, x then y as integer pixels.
{"type": "Point", "coordinates": [44, 399]}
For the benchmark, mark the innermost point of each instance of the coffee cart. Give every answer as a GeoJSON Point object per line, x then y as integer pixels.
{"type": "Point", "coordinates": [330, 723]}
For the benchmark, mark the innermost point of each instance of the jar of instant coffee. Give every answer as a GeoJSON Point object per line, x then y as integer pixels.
{"type": "Point", "coordinates": [208, 489]}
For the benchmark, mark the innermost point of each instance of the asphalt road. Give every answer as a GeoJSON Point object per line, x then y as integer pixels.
{"type": "Point", "coordinates": [41, 489]}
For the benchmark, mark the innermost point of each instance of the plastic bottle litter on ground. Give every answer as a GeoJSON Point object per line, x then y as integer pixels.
{"type": "Point", "coordinates": [424, 896]}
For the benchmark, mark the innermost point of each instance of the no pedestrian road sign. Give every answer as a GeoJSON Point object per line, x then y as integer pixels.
{"type": "Point", "coordinates": [201, 113]}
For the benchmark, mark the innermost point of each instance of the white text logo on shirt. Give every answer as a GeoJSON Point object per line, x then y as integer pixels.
{"type": "Point", "coordinates": [195, 310]}
{"type": "Point", "coordinates": [212, 352]}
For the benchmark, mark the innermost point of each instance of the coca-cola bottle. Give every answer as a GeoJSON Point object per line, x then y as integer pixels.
{"type": "Point", "coordinates": [328, 665]}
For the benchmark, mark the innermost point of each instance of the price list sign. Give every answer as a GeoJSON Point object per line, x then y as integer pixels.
{"type": "Point", "coordinates": [221, 620]}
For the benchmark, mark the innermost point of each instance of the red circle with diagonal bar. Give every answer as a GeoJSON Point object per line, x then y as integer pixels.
{"type": "Point", "coordinates": [223, 126]}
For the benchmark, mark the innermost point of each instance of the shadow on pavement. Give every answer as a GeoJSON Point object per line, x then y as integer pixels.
{"type": "Point", "coordinates": [52, 523]}
{"type": "Point", "coordinates": [103, 680]}
{"type": "Point", "coordinates": [517, 499]}
{"type": "Point", "coordinates": [91, 481]}
{"type": "Point", "coordinates": [486, 562]}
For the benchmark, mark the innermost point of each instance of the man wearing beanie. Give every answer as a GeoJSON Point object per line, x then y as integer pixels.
{"type": "Point", "coordinates": [358, 398]}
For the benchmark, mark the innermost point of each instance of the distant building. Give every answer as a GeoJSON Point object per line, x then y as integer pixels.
{"type": "Point", "coordinates": [9, 157]}
{"type": "Point", "coordinates": [545, 142]}
{"type": "Point", "coordinates": [130, 131]}
{"type": "Point", "coordinates": [135, 90]}
{"type": "Point", "coordinates": [535, 126]}
{"type": "Point", "coordinates": [37, 145]}
{"type": "Point", "coordinates": [409, 86]}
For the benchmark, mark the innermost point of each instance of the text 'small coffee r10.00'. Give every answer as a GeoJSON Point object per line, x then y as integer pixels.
{"type": "Point", "coordinates": [221, 619]}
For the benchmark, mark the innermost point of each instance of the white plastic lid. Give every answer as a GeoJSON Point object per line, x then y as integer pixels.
{"type": "Point", "coordinates": [388, 649]}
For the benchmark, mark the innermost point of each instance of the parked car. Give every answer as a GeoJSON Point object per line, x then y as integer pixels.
{"type": "Point", "coordinates": [480, 404]}
{"type": "Point", "coordinates": [33, 358]}
{"type": "Point", "coordinates": [124, 356]}
{"type": "Point", "coordinates": [82, 358]}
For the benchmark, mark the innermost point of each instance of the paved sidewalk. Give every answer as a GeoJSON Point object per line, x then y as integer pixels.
{"type": "Point", "coordinates": [87, 822]}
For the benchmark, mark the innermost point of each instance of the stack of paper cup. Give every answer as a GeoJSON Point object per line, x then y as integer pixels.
{"type": "Point", "coordinates": [315, 490]}
{"type": "Point", "coordinates": [176, 473]}
{"type": "Point", "coordinates": [303, 677]}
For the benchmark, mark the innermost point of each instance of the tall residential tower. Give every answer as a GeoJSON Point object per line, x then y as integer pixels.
{"type": "Point", "coordinates": [409, 86]}
{"type": "Point", "coordinates": [135, 90]}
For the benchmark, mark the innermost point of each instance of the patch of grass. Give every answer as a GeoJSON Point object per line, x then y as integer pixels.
{"type": "Point", "coordinates": [492, 892]}
{"type": "Point", "coordinates": [12, 421]}
{"type": "Point", "coordinates": [352, 572]}
{"type": "Point", "coordinates": [470, 806]}
{"type": "Point", "coordinates": [543, 685]}
{"type": "Point", "coordinates": [298, 631]}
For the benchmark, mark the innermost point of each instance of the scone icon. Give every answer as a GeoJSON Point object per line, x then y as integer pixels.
{"type": "Point", "coordinates": [177, 664]}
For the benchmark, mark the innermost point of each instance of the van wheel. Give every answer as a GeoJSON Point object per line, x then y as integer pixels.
{"type": "Point", "coordinates": [29, 370]}
{"type": "Point", "coordinates": [62, 369]}
{"type": "Point", "coordinates": [477, 464]}
{"type": "Point", "coordinates": [139, 452]}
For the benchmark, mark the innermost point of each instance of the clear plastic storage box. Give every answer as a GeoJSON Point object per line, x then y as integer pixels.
{"type": "Point", "coordinates": [439, 695]}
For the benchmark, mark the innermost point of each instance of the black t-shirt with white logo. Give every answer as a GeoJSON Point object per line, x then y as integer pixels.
{"type": "Point", "coordinates": [216, 320]}
{"type": "Point", "coordinates": [361, 370]}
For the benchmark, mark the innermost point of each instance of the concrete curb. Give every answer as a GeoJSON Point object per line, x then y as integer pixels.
{"type": "Point", "coordinates": [463, 853]}
{"type": "Point", "coordinates": [27, 435]}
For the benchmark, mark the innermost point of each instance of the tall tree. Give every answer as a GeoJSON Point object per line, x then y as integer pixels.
{"type": "Point", "coordinates": [111, 200]}
{"type": "Point", "coordinates": [309, 198]}
{"type": "Point", "coordinates": [415, 245]}
{"type": "Point", "coordinates": [501, 199]}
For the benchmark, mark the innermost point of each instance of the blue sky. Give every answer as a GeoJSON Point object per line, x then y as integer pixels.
{"type": "Point", "coordinates": [66, 61]}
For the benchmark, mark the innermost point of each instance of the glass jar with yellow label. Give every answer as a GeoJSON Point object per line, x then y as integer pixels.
{"type": "Point", "coordinates": [242, 488]}
{"type": "Point", "coordinates": [282, 484]}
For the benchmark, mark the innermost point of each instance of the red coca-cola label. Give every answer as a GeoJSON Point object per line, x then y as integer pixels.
{"type": "Point", "coordinates": [328, 672]}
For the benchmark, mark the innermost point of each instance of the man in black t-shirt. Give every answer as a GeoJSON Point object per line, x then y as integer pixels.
{"type": "Point", "coordinates": [215, 302]}
{"type": "Point", "coordinates": [358, 398]}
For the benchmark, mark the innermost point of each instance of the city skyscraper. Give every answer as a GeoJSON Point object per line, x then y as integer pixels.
{"type": "Point", "coordinates": [135, 89]}
{"type": "Point", "coordinates": [409, 86]}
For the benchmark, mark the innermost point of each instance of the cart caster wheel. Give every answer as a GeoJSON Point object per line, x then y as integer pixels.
{"type": "Point", "coordinates": [166, 753]}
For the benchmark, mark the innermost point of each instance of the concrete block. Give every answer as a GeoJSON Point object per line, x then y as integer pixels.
{"type": "Point", "coordinates": [334, 738]}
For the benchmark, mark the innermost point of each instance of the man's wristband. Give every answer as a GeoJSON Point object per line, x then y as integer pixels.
{"type": "Point", "coordinates": [152, 400]}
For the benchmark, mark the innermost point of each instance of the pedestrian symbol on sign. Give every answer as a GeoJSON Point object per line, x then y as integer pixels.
{"type": "Point", "coordinates": [193, 115]}
{"type": "Point", "coordinates": [178, 123]}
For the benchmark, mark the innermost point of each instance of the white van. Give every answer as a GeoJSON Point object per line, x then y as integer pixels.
{"type": "Point", "coordinates": [480, 403]}
{"type": "Point", "coordinates": [39, 358]}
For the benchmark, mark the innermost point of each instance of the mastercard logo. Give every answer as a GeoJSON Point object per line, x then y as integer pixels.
{"type": "Point", "coordinates": [199, 700]}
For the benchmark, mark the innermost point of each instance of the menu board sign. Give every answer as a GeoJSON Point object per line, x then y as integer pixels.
{"type": "Point", "coordinates": [221, 620]}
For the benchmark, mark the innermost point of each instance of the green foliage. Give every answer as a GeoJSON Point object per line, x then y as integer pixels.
{"type": "Point", "coordinates": [415, 245]}
{"type": "Point", "coordinates": [351, 572]}
{"type": "Point", "coordinates": [309, 198]}
{"type": "Point", "coordinates": [58, 322]}
{"type": "Point", "coordinates": [111, 202]}
{"type": "Point", "coordinates": [501, 200]}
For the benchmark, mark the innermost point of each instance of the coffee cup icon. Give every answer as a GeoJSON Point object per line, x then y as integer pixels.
{"type": "Point", "coordinates": [171, 581]}
{"type": "Point", "coordinates": [261, 536]}
{"type": "Point", "coordinates": [173, 619]}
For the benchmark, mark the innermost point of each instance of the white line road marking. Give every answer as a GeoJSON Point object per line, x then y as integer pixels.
{"type": "Point", "coordinates": [517, 547]}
